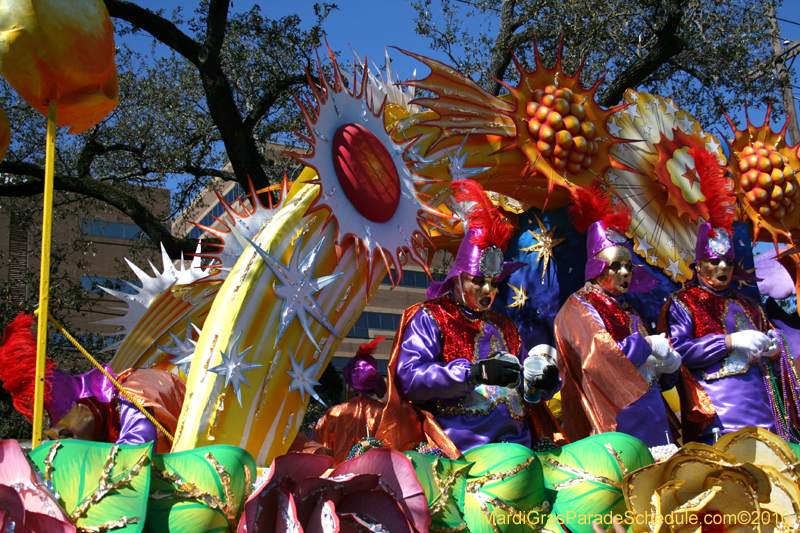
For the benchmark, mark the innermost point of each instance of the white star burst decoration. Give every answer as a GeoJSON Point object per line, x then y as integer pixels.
{"type": "Point", "coordinates": [140, 301]}
{"type": "Point", "coordinates": [233, 368]}
{"type": "Point", "coordinates": [303, 379]}
{"type": "Point", "coordinates": [183, 350]}
{"type": "Point", "coordinates": [298, 288]}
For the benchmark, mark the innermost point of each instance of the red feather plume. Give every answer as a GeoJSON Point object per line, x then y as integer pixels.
{"type": "Point", "coordinates": [18, 364]}
{"type": "Point", "coordinates": [720, 198]}
{"type": "Point", "coordinates": [368, 348]}
{"type": "Point", "coordinates": [590, 205]}
{"type": "Point", "coordinates": [484, 218]}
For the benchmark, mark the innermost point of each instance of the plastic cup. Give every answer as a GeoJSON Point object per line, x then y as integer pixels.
{"type": "Point", "coordinates": [534, 368]}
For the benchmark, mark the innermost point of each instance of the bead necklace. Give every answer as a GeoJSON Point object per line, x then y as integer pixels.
{"type": "Point", "coordinates": [779, 399]}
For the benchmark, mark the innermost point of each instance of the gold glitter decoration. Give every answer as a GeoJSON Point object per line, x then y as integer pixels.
{"type": "Point", "coordinates": [544, 246]}
{"type": "Point", "coordinates": [617, 458]}
{"type": "Point", "coordinates": [106, 484]}
{"type": "Point", "coordinates": [580, 475]}
{"type": "Point", "coordinates": [275, 359]}
{"type": "Point", "coordinates": [225, 479]}
{"type": "Point", "coordinates": [186, 490]}
{"type": "Point", "coordinates": [48, 461]}
{"type": "Point", "coordinates": [444, 488]}
{"type": "Point", "coordinates": [215, 416]}
{"type": "Point", "coordinates": [107, 526]}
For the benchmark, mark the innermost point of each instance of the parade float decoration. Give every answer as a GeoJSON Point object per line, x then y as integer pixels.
{"type": "Point", "coordinates": [662, 187]}
{"type": "Point", "coordinates": [747, 481]}
{"type": "Point", "coordinates": [548, 130]}
{"type": "Point", "coordinates": [299, 288]}
{"type": "Point", "coordinates": [58, 55]}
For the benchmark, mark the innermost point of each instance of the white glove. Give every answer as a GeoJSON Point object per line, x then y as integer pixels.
{"type": "Point", "coordinates": [750, 340]}
{"type": "Point", "coordinates": [774, 347]}
{"type": "Point", "coordinates": [667, 366]}
{"type": "Point", "coordinates": [659, 346]}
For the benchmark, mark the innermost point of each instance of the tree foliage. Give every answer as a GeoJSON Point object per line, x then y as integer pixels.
{"type": "Point", "coordinates": [221, 91]}
{"type": "Point", "coordinates": [705, 54]}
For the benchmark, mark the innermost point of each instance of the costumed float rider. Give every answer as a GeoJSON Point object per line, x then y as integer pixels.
{"type": "Point", "coordinates": [87, 406]}
{"type": "Point", "coordinates": [725, 339]}
{"type": "Point", "coordinates": [455, 370]}
{"type": "Point", "coordinates": [613, 371]}
{"type": "Point", "coordinates": [349, 423]}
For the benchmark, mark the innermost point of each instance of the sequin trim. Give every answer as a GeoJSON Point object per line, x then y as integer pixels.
{"type": "Point", "coordinates": [475, 403]}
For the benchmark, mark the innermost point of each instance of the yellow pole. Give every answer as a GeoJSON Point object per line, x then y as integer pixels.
{"type": "Point", "coordinates": [44, 282]}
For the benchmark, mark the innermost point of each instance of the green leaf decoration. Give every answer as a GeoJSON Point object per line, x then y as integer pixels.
{"type": "Point", "coordinates": [444, 481]}
{"type": "Point", "coordinates": [102, 487]}
{"type": "Point", "coordinates": [201, 490]}
{"type": "Point", "coordinates": [587, 477]}
{"type": "Point", "coordinates": [505, 490]}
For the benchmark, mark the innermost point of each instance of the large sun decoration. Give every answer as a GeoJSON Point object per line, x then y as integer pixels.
{"type": "Point", "coordinates": [548, 116]}
{"type": "Point", "coordinates": [765, 170]}
{"type": "Point", "coordinates": [364, 182]}
{"type": "Point", "coordinates": [247, 220]}
{"type": "Point", "coordinates": [663, 191]}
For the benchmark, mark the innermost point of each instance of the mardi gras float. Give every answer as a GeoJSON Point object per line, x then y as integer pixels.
{"type": "Point", "coordinates": [188, 427]}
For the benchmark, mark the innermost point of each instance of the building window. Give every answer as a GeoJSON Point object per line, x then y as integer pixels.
{"type": "Point", "coordinates": [412, 278]}
{"type": "Point", "coordinates": [114, 230]}
{"type": "Point", "coordinates": [216, 211]}
{"type": "Point", "coordinates": [93, 283]}
{"type": "Point", "coordinates": [369, 320]}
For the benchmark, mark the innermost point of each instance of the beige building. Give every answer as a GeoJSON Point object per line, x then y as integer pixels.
{"type": "Point", "coordinates": [88, 247]}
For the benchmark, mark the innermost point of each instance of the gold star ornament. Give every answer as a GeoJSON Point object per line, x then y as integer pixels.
{"type": "Point", "coordinates": [544, 246]}
{"type": "Point", "coordinates": [520, 296]}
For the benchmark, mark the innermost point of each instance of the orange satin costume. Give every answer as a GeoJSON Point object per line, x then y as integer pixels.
{"type": "Point", "coordinates": [344, 425]}
{"type": "Point", "coordinates": [598, 380]}
{"type": "Point", "coordinates": [160, 392]}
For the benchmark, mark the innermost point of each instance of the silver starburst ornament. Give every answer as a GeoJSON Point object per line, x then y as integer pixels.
{"type": "Point", "coordinates": [233, 368]}
{"type": "Point", "coordinates": [182, 350]}
{"type": "Point", "coordinates": [303, 379]}
{"type": "Point", "coordinates": [298, 288]}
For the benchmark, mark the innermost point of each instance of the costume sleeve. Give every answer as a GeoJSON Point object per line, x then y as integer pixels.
{"type": "Point", "coordinates": [135, 428]}
{"type": "Point", "coordinates": [695, 353]}
{"type": "Point", "coordinates": [667, 381]}
{"type": "Point", "coordinates": [635, 347]}
{"type": "Point", "coordinates": [421, 373]}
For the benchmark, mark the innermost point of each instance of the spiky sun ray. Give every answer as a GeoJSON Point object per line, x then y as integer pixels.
{"type": "Point", "coordinates": [765, 171]}
{"type": "Point", "coordinates": [548, 117]}
{"type": "Point", "coordinates": [358, 165]}
{"type": "Point", "coordinates": [247, 221]}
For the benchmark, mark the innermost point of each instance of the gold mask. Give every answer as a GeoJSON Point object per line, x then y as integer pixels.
{"type": "Point", "coordinates": [616, 276]}
{"type": "Point", "coordinates": [475, 292]}
{"type": "Point", "coordinates": [79, 423]}
{"type": "Point", "coordinates": [715, 273]}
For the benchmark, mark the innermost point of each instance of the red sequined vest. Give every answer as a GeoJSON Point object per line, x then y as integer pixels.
{"type": "Point", "coordinates": [616, 318]}
{"type": "Point", "coordinates": [459, 334]}
{"type": "Point", "coordinates": [708, 310]}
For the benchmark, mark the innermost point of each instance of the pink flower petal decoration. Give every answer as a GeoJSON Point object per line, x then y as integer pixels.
{"type": "Point", "coordinates": [42, 512]}
{"type": "Point", "coordinates": [324, 519]}
{"type": "Point", "coordinates": [398, 479]}
{"type": "Point", "coordinates": [373, 508]}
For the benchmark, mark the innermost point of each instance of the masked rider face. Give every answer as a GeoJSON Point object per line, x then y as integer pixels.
{"type": "Point", "coordinates": [79, 423]}
{"type": "Point", "coordinates": [616, 276]}
{"type": "Point", "coordinates": [475, 292]}
{"type": "Point", "coordinates": [715, 273]}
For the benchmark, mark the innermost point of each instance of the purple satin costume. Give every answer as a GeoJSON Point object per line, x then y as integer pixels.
{"type": "Point", "coordinates": [135, 428]}
{"type": "Point", "coordinates": [740, 400]}
{"type": "Point", "coordinates": [425, 379]}
{"type": "Point", "coordinates": [646, 418]}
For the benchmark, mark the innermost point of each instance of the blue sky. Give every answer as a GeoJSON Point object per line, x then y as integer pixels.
{"type": "Point", "coordinates": [370, 26]}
